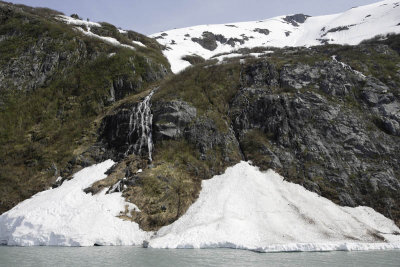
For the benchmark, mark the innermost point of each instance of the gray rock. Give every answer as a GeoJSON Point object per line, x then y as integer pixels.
{"type": "Point", "coordinates": [328, 147]}
{"type": "Point", "coordinates": [296, 19]}
{"type": "Point", "coordinates": [171, 119]}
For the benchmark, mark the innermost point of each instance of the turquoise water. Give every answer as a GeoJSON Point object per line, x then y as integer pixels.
{"type": "Point", "coordinates": [131, 256]}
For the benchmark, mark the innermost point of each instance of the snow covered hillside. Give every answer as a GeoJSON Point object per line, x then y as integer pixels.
{"type": "Point", "coordinates": [350, 27]}
{"type": "Point", "coordinates": [243, 208]}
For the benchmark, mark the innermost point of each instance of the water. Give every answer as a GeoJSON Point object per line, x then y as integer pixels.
{"type": "Point", "coordinates": [132, 256]}
{"type": "Point", "coordinates": [140, 124]}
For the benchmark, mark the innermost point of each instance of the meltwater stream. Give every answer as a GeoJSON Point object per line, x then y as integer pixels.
{"type": "Point", "coordinates": [140, 128]}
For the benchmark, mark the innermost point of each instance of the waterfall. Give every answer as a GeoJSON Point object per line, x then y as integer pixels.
{"type": "Point", "coordinates": [140, 128]}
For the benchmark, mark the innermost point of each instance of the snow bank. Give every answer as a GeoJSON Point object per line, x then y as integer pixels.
{"type": "Point", "coordinates": [243, 208]}
{"type": "Point", "coordinates": [66, 216]}
{"type": "Point", "coordinates": [350, 27]}
{"type": "Point", "coordinates": [248, 209]}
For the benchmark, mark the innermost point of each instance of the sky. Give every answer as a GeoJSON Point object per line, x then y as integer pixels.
{"type": "Point", "coordinates": [152, 16]}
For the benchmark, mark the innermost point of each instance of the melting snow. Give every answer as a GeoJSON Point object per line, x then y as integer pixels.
{"type": "Point", "coordinates": [66, 216]}
{"type": "Point", "coordinates": [248, 209]}
{"type": "Point", "coordinates": [243, 208]}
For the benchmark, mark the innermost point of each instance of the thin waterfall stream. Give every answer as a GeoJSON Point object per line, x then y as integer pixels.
{"type": "Point", "coordinates": [140, 128]}
{"type": "Point", "coordinates": [140, 137]}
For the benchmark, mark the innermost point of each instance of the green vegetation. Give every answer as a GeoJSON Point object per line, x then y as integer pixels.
{"type": "Point", "coordinates": [210, 88]}
{"type": "Point", "coordinates": [194, 59]}
{"type": "Point", "coordinates": [45, 126]}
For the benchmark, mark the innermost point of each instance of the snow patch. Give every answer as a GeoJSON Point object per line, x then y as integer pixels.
{"type": "Point", "coordinates": [248, 209]}
{"type": "Point", "coordinates": [347, 67]}
{"type": "Point", "coordinates": [66, 216]}
{"type": "Point", "coordinates": [109, 40]}
{"type": "Point", "coordinates": [78, 22]}
{"type": "Point", "coordinates": [138, 43]}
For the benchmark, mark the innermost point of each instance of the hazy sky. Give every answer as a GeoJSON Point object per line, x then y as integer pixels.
{"type": "Point", "coordinates": [150, 16]}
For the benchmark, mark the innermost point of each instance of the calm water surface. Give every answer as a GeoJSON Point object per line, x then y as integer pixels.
{"type": "Point", "coordinates": [131, 256]}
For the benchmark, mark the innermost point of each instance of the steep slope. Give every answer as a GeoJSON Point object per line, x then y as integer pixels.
{"type": "Point", "coordinates": [58, 75]}
{"type": "Point", "coordinates": [326, 117]}
{"type": "Point", "coordinates": [350, 27]}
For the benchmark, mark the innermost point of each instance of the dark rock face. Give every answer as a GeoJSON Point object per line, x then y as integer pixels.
{"type": "Point", "coordinates": [206, 136]}
{"type": "Point", "coordinates": [384, 105]}
{"type": "Point", "coordinates": [262, 31]}
{"type": "Point", "coordinates": [209, 40]}
{"type": "Point", "coordinates": [296, 19]}
{"type": "Point", "coordinates": [327, 146]}
{"type": "Point", "coordinates": [329, 76]}
{"type": "Point", "coordinates": [338, 29]}
{"type": "Point", "coordinates": [171, 119]}
{"type": "Point", "coordinates": [260, 74]}
{"type": "Point", "coordinates": [124, 85]}
{"type": "Point", "coordinates": [32, 69]}
{"type": "Point", "coordinates": [114, 131]}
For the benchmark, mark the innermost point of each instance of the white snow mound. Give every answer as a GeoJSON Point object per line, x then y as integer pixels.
{"type": "Point", "coordinates": [66, 216]}
{"type": "Point", "coordinates": [248, 209]}
{"type": "Point", "coordinates": [243, 208]}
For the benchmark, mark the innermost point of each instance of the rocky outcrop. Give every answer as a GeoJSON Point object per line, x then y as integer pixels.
{"type": "Point", "coordinates": [296, 19]}
{"type": "Point", "coordinates": [171, 119]}
{"type": "Point", "coordinates": [35, 67]}
{"type": "Point", "coordinates": [209, 40]}
{"type": "Point", "coordinates": [262, 31]}
{"type": "Point", "coordinates": [331, 147]}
